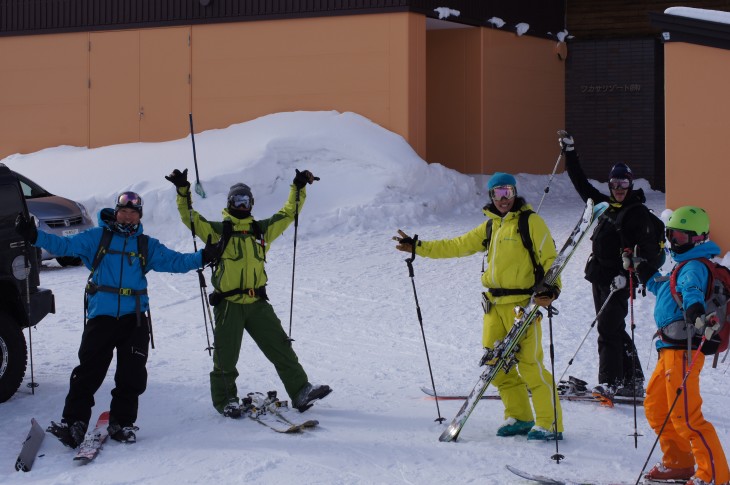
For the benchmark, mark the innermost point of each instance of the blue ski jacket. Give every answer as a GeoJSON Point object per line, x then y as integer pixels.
{"type": "Point", "coordinates": [692, 282]}
{"type": "Point", "coordinates": [118, 270]}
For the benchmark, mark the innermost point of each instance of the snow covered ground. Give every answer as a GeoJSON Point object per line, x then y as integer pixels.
{"type": "Point", "coordinates": [354, 321]}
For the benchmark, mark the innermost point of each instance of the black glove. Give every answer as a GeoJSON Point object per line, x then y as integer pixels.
{"type": "Point", "coordinates": [26, 228]}
{"type": "Point", "coordinates": [405, 242]}
{"type": "Point", "coordinates": [696, 311]}
{"type": "Point", "coordinates": [644, 270]}
{"type": "Point", "coordinates": [546, 294]}
{"type": "Point", "coordinates": [178, 178]}
{"type": "Point", "coordinates": [303, 178]}
{"type": "Point", "coordinates": [566, 141]}
{"type": "Point", "coordinates": [212, 252]}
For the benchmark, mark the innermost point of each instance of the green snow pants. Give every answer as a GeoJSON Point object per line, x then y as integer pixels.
{"type": "Point", "coordinates": [264, 327]}
{"type": "Point", "coordinates": [530, 373]}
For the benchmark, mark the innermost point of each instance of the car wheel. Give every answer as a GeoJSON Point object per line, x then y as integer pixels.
{"type": "Point", "coordinates": [69, 261]}
{"type": "Point", "coordinates": [13, 356]}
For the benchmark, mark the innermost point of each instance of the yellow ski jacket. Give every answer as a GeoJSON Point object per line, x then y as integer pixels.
{"type": "Point", "coordinates": [508, 262]}
{"type": "Point", "coordinates": [242, 263]}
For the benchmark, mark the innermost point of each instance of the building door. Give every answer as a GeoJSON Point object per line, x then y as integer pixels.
{"type": "Point", "coordinates": [113, 88]}
{"type": "Point", "coordinates": [139, 86]}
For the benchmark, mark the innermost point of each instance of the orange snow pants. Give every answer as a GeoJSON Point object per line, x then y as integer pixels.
{"type": "Point", "coordinates": [687, 438]}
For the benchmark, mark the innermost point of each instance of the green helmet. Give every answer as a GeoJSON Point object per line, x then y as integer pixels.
{"type": "Point", "coordinates": [691, 219]}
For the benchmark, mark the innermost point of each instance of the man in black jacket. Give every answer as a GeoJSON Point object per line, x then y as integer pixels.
{"type": "Point", "coordinates": [625, 225]}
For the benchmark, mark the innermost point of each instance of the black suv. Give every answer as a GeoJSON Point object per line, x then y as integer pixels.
{"type": "Point", "coordinates": [22, 303]}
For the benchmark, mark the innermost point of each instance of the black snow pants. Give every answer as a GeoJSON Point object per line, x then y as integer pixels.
{"type": "Point", "coordinates": [101, 336]}
{"type": "Point", "coordinates": [615, 348]}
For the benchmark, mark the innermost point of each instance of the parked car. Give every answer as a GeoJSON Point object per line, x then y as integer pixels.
{"type": "Point", "coordinates": [56, 215]}
{"type": "Point", "coordinates": [22, 303]}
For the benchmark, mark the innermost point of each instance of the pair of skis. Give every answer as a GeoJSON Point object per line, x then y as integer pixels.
{"type": "Point", "coordinates": [267, 411]}
{"type": "Point", "coordinates": [87, 451]}
{"type": "Point", "coordinates": [502, 357]}
{"type": "Point", "coordinates": [563, 397]}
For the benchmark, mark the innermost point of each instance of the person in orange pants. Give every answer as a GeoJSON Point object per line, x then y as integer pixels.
{"type": "Point", "coordinates": [688, 438]}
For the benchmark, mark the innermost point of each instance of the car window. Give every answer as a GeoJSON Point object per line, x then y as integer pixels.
{"type": "Point", "coordinates": [10, 204]}
{"type": "Point", "coordinates": [31, 190]}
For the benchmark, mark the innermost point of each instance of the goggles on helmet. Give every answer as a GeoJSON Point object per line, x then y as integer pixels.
{"type": "Point", "coordinates": [129, 199]}
{"type": "Point", "coordinates": [619, 184]}
{"type": "Point", "coordinates": [240, 201]}
{"type": "Point", "coordinates": [503, 192]}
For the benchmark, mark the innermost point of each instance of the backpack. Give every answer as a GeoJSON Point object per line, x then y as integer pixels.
{"type": "Point", "coordinates": [101, 251]}
{"type": "Point", "coordinates": [658, 257]}
{"type": "Point", "coordinates": [717, 300]}
{"type": "Point", "coordinates": [523, 228]}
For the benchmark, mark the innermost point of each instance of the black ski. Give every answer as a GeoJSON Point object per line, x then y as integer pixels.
{"type": "Point", "coordinates": [30, 448]}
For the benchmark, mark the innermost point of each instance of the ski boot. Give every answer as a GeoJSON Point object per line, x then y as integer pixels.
{"type": "Point", "coordinates": [309, 394]}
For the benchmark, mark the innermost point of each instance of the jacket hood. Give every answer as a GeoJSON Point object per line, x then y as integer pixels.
{"type": "Point", "coordinates": [708, 249]}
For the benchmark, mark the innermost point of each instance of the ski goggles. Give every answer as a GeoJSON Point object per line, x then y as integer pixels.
{"type": "Point", "coordinates": [129, 199]}
{"type": "Point", "coordinates": [503, 192]}
{"type": "Point", "coordinates": [240, 201]}
{"type": "Point", "coordinates": [615, 184]}
{"type": "Point", "coordinates": [678, 237]}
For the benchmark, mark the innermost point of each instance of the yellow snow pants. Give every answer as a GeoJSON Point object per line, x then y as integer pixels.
{"type": "Point", "coordinates": [687, 438]}
{"type": "Point", "coordinates": [530, 373]}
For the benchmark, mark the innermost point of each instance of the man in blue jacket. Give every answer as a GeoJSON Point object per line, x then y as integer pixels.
{"type": "Point", "coordinates": [117, 306]}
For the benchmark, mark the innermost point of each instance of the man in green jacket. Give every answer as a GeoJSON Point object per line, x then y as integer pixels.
{"type": "Point", "coordinates": [239, 300]}
{"type": "Point", "coordinates": [509, 279]}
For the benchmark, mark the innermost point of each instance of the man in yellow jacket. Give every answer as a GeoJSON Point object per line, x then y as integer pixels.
{"type": "Point", "coordinates": [509, 279]}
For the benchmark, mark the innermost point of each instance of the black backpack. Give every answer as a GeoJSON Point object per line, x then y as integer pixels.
{"type": "Point", "coordinates": [523, 228]}
{"type": "Point", "coordinates": [657, 257]}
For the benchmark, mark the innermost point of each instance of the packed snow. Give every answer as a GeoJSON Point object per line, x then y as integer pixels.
{"type": "Point", "coordinates": [354, 321]}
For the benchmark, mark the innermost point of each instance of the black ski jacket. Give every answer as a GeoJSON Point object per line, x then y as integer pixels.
{"type": "Point", "coordinates": [608, 239]}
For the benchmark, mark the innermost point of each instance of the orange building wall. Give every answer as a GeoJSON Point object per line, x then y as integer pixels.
{"type": "Point", "coordinates": [43, 92]}
{"type": "Point", "coordinates": [144, 82]}
{"type": "Point", "coordinates": [523, 104]}
{"type": "Point", "coordinates": [373, 65]}
{"type": "Point", "coordinates": [495, 101]}
{"type": "Point", "coordinates": [697, 143]}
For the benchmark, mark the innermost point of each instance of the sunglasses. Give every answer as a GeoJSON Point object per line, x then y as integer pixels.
{"type": "Point", "coordinates": [619, 184]}
{"type": "Point", "coordinates": [129, 199]}
{"type": "Point", "coordinates": [503, 192]}
{"type": "Point", "coordinates": [240, 201]}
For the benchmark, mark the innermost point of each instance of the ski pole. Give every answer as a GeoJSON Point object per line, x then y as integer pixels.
{"type": "Point", "coordinates": [411, 274]}
{"type": "Point", "coordinates": [552, 175]}
{"type": "Point", "coordinates": [32, 384]}
{"type": "Point", "coordinates": [674, 403]}
{"type": "Point", "coordinates": [618, 283]}
{"type": "Point", "coordinates": [293, 262]}
{"type": "Point", "coordinates": [294, 256]}
{"type": "Point", "coordinates": [198, 187]}
{"type": "Point", "coordinates": [633, 344]}
{"type": "Point", "coordinates": [557, 456]}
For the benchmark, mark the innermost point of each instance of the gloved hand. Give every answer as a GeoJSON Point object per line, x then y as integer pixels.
{"type": "Point", "coordinates": [303, 178]}
{"type": "Point", "coordinates": [619, 282]}
{"type": "Point", "coordinates": [566, 141]}
{"type": "Point", "coordinates": [212, 252]}
{"type": "Point", "coordinates": [644, 270]}
{"type": "Point", "coordinates": [545, 295]}
{"type": "Point", "coordinates": [26, 228]}
{"type": "Point", "coordinates": [405, 242]}
{"type": "Point", "coordinates": [179, 179]}
{"type": "Point", "coordinates": [627, 258]}
{"type": "Point", "coordinates": [706, 324]}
